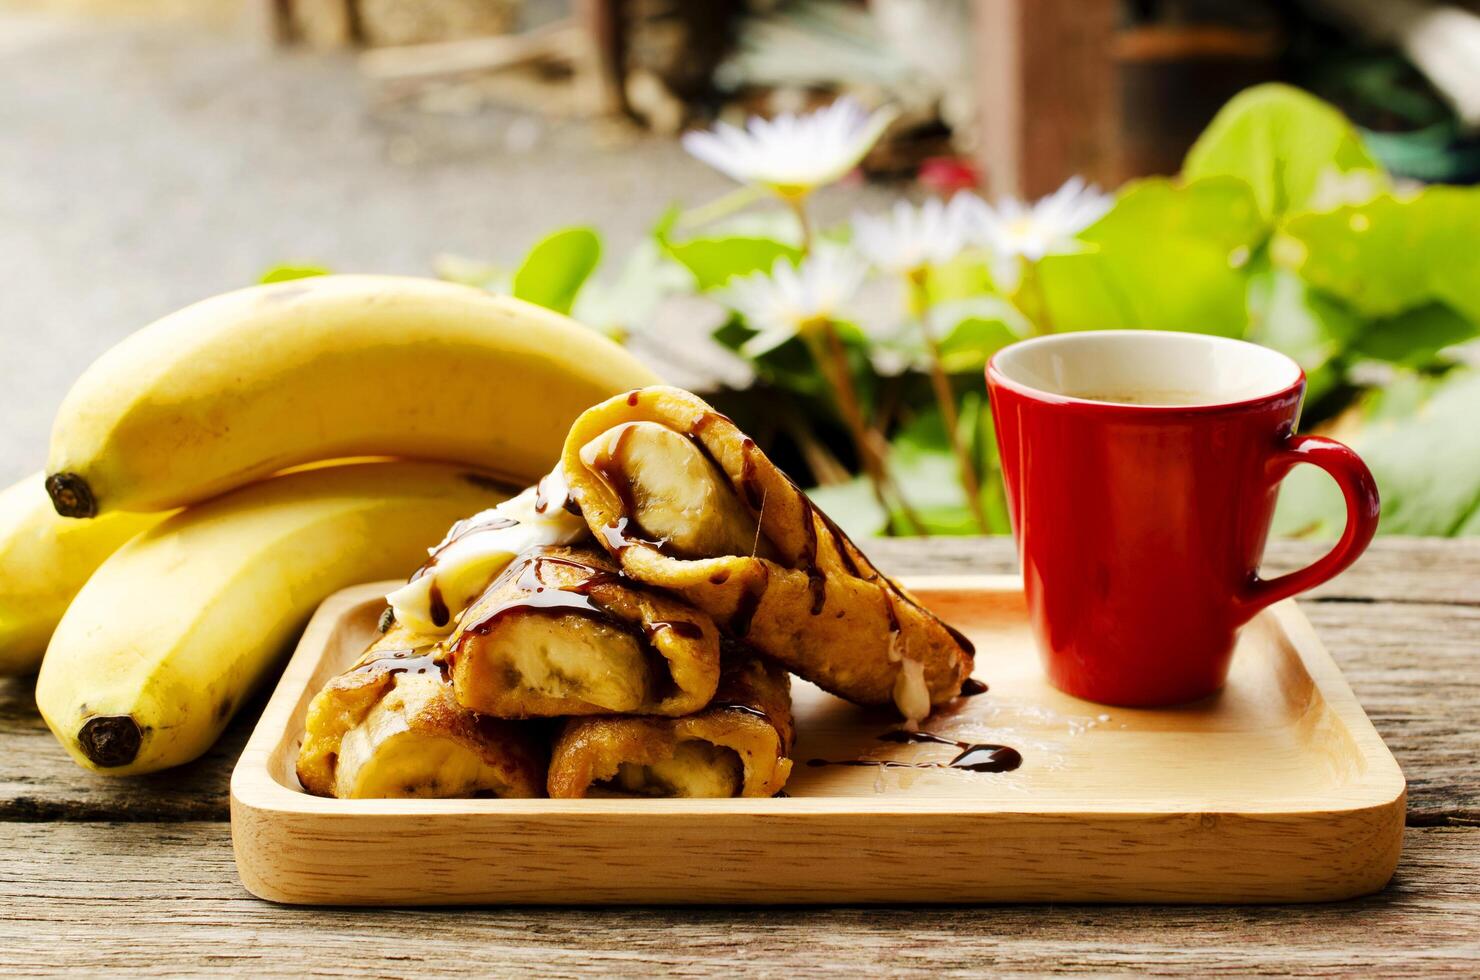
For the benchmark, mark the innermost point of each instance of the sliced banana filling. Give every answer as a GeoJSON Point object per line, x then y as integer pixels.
{"type": "Point", "coordinates": [402, 749]}
{"type": "Point", "coordinates": [672, 492]}
{"type": "Point", "coordinates": [561, 632]}
{"type": "Point", "coordinates": [696, 769]}
{"type": "Point", "coordinates": [572, 657]}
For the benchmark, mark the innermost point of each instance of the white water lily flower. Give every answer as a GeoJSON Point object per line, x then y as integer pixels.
{"type": "Point", "coordinates": [791, 300]}
{"type": "Point", "coordinates": [792, 155]}
{"type": "Point", "coordinates": [909, 239]}
{"type": "Point", "coordinates": [1013, 228]}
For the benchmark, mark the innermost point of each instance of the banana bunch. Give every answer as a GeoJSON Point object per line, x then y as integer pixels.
{"type": "Point", "coordinates": [164, 622]}
{"type": "Point", "coordinates": [44, 560]}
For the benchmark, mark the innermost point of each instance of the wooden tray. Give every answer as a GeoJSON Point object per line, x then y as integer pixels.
{"type": "Point", "coordinates": [1278, 789]}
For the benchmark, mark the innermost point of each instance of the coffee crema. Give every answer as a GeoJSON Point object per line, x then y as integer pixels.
{"type": "Point", "coordinates": [1147, 396]}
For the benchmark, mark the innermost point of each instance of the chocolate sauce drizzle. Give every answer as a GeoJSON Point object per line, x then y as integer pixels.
{"type": "Point", "coordinates": [737, 706]}
{"type": "Point", "coordinates": [618, 538]}
{"type": "Point", "coordinates": [536, 596]}
{"type": "Point", "coordinates": [437, 606]}
{"type": "Point", "coordinates": [680, 627]}
{"type": "Point", "coordinates": [973, 757]}
{"type": "Point", "coordinates": [409, 660]}
{"type": "Point", "coordinates": [971, 687]}
{"type": "Point", "coordinates": [750, 601]}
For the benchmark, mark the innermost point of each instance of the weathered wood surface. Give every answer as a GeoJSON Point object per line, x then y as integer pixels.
{"type": "Point", "coordinates": [98, 874]}
{"type": "Point", "coordinates": [164, 898]}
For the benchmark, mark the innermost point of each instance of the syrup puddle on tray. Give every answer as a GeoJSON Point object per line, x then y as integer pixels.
{"type": "Point", "coordinates": [985, 757]}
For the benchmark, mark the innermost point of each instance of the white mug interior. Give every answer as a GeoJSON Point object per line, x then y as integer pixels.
{"type": "Point", "coordinates": [1155, 368]}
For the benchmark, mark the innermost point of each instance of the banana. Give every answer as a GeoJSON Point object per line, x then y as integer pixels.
{"type": "Point", "coordinates": [44, 560]}
{"type": "Point", "coordinates": [248, 383]}
{"type": "Point", "coordinates": [173, 631]}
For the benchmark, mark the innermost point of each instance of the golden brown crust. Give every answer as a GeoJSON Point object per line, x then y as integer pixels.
{"type": "Point", "coordinates": [578, 591]}
{"type": "Point", "coordinates": [750, 715]}
{"type": "Point", "coordinates": [402, 668]}
{"type": "Point", "coordinates": [822, 608]}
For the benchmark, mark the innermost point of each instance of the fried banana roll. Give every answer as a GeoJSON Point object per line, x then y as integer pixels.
{"type": "Point", "coordinates": [686, 502]}
{"type": "Point", "coordinates": [391, 727]}
{"type": "Point", "coordinates": [560, 632]}
{"type": "Point", "coordinates": [738, 746]}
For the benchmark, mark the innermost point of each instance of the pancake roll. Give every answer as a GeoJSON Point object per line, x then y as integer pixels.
{"type": "Point", "coordinates": [560, 632]}
{"type": "Point", "coordinates": [684, 501]}
{"type": "Point", "coordinates": [738, 745]}
{"type": "Point", "coordinates": [390, 726]}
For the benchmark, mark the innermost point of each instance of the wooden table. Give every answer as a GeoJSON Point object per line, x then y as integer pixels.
{"type": "Point", "coordinates": [98, 875]}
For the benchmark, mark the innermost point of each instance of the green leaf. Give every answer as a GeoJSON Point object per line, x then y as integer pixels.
{"type": "Point", "coordinates": [1471, 526]}
{"type": "Point", "coordinates": [286, 273]}
{"type": "Point", "coordinates": [555, 269]}
{"type": "Point", "coordinates": [926, 472]}
{"type": "Point", "coordinates": [967, 276]}
{"type": "Point", "coordinates": [1166, 257]}
{"type": "Point", "coordinates": [982, 327]}
{"type": "Point", "coordinates": [1393, 253]}
{"type": "Point", "coordinates": [1425, 458]}
{"type": "Point", "coordinates": [715, 261]}
{"type": "Point", "coordinates": [1280, 141]}
{"type": "Point", "coordinates": [852, 506]}
{"type": "Point", "coordinates": [923, 464]}
{"type": "Point", "coordinates": [1309, 326]}
{"type": "Point", "coordinates": [1415, 337]}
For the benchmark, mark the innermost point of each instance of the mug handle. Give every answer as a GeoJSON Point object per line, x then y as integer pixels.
{"type": "Point", "coordinates": [1362, 506]}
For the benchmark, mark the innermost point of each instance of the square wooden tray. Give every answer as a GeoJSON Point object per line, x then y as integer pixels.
{"type": "Point", "coordinates": [1278, 789]}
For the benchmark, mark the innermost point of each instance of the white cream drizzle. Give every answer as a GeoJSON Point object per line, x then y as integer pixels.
{"type": "Point", "coordinates": [911, 693]}
{"type": "Point", "coordinates": [470, 557]}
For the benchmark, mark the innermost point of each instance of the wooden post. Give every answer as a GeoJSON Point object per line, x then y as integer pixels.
{"type": "Point", "coordinates": [1048, 93]}
{"type": "Point", "coordinates": [604, 24]}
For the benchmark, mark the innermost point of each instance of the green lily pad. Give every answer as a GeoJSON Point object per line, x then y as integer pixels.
{"type": "Point", "coordinates": [1280, 141]}
{"type": "Point", "coordinates": [1425, 458]}
{"type": "Point", "coordinates": [1168, 256]}
{"type": "Point", "coordinates": [1392, 253]}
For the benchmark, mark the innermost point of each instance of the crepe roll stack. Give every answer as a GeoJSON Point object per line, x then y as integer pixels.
{"type": "Point", "coordinates": [686, 503]}
{"type": "Point", "coordinates": [626, 627]}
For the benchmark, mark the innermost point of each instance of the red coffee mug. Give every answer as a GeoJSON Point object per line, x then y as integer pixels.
{"type": "Point", "coordinates": [1142, 469]}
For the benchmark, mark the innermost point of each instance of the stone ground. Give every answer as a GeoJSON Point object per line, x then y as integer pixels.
{"type": "Point", "coordinates": [146, 164]}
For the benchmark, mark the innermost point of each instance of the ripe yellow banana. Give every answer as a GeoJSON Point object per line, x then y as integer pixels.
{"type": "Point", "coordinates": [168, 637]}
{"type": "Point", "coordinates": [44, 560]}
{"type": "Point", "coordinates": [238, 387]}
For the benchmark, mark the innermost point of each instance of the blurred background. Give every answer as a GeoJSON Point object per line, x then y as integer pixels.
{"type": "Point", "coordinates": [155, 152]}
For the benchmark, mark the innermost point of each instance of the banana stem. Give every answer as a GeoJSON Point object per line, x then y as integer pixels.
{"type": "Point", "coordinates": [946, 399]}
